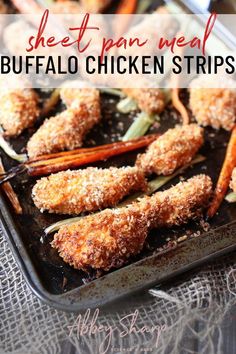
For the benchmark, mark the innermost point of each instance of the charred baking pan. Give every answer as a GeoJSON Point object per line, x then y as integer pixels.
{"type": "Point", "coordinates": [163, 257]}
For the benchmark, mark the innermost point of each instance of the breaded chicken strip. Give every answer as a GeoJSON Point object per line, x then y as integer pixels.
{"type": "Point", "coordinates": [18, 110]}
{"type": "Point", "coordinates": [173, 149]}
{"type": "Point", "coordinates": [66, 130]}
{"type": "Point", "coordinates": [233, 180]}
{"type": "Point", "coordinates": [149, 100]}
{"type": "Point", "coordinates": [108, 239]}
{"type": "Point", "coordinates": [214, 107]}
{"type": "Point", "coordinates": [71, 94]}
{"type": "Point", "coordinates": [73, 192]}
{"type": "Point", "coordinates": [94, 6]}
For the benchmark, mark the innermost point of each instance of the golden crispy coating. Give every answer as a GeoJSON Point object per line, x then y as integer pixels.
{"type": "Point", "coordinates": [183, 202]}
{"type": "Point", "coordinates": [66, 130]}
{"type": "Point", "coordinates": [90, 96]}
{"type": "Point", "coordinates": [94, 6]}
{"type": "Point", "coordinates": [233, 180]}
{"type": "Point", "coordinates": [148, 99]}
{"type": "Point", "coordinates": [173, 149]}
{"type": "Point", "coordinates": [215, 107]}
{"type": "Point", "coordinates": [74, 192]}
{"type": "Point", "coordinates": [18, 110]}
{"type": "Point", "coordinates": [108, 239]}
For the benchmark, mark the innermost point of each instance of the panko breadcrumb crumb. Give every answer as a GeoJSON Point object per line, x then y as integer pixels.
{"type": "Point", "coordinates": [90, 96]}
{"type": "Point", "coordinates": [149, 100]}
{"type": "Point", "coordinates": [91, 189]}
{"type": "Point", "coordinates": [108, 239]}
{"type": "Point", "coordinates": [233, 180]}
{"type": "Point", "coordinates": [214, 107]}
{"type": "Point", "coordinates": [18, 110]}
{"type": "Point", "coordinates": [66, 130]}
{"type": "Point", "coordinates": [173, 149]}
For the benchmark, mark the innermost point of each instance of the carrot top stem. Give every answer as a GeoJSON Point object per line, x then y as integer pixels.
{"type": "Point", "coordinates": [177, 103]}
{"type": "Point", "coordinates": [179, 106]}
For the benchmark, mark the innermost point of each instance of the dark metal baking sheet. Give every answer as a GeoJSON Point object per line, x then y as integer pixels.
{"type": "Point", "coordinates": [153, 270]}
{"type": "Point", "coordinates": [60, 285]}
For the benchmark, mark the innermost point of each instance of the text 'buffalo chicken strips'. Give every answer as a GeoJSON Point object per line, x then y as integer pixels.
{"type": "Point", "coordinates": [173, 149]}
{"type": "Point", "coordinates": [108, 239]}
{"type": "Point", "coordinates": [18, 110]}
{"type": "Point", "coordinates": [67, 130]}
{"type": "Point", "coordinates": [72, 192]}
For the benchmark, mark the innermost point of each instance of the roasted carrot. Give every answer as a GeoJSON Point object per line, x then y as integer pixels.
{"type": "Point", "coordinates": [126, 7]}
{"type": "Point", "coordinates": [66, 160]}
{"type": "Point", "coordinates": [225, 175]}
{"type": "Point", "coordinates": [147, 139]}
{"type": "Point", "coordinates": [177, 103]}
{"type": "Point", "coordinates": [71, 159]}
{"type": "Point", "coordinates": [11, 195]}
